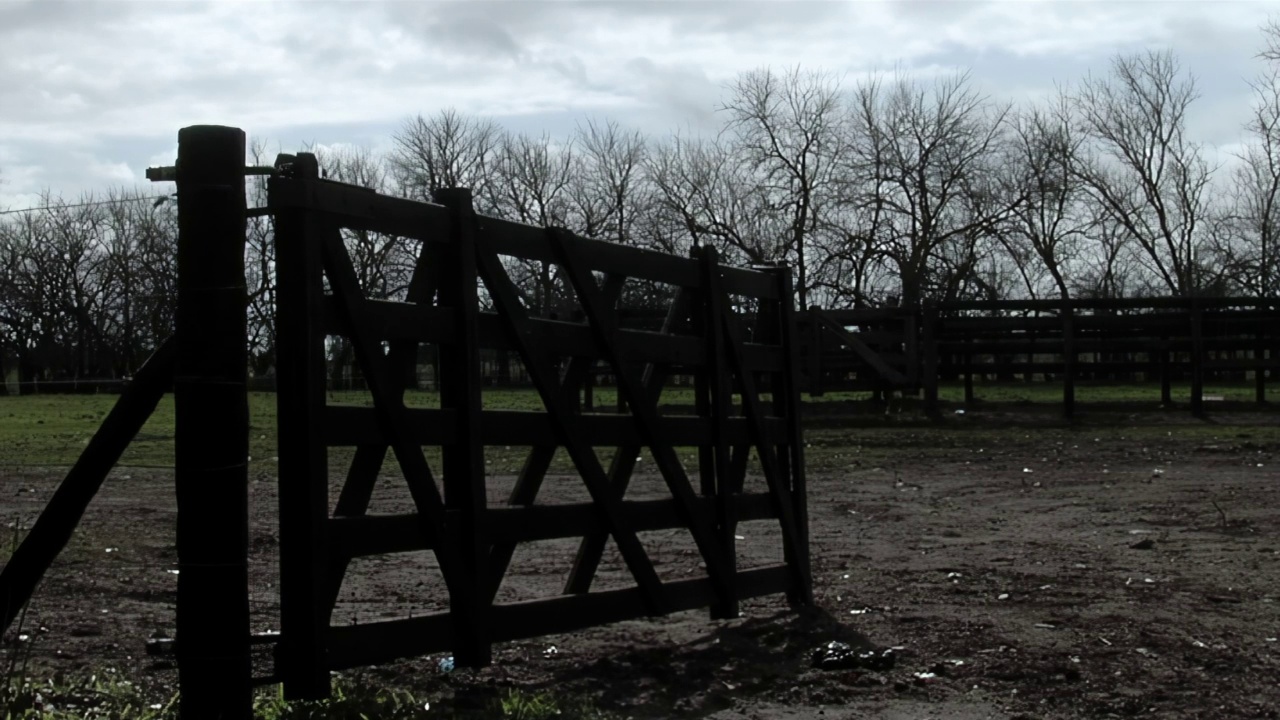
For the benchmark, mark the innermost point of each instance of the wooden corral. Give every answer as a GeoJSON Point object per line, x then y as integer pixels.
{"type": "Point", "coordinates": [473, 542]}
{"type": "Point", "coordinates": [733, 426]}
{"type": "Point", "coordinates": [1156, 340]}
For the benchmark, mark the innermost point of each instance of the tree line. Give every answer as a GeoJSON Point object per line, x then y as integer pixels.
{"type": "Point", "coordinates": [893, 190]}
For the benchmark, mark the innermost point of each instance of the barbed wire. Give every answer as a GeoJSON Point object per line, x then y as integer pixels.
{"type": "Point", "coordinates": [93, 203]}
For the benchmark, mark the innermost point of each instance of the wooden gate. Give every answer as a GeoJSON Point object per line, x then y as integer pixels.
{"type": "Point", "coordinates": [859, 349]}
{"type": "Point", "coordinates": [473, 542]}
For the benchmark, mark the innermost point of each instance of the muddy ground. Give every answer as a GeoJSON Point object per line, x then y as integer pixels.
{"type": "Point", "coordinates": [1124, 566]}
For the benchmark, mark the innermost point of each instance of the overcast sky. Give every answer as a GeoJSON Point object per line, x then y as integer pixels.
{"type": "Point", "coordinates": [91, 93]}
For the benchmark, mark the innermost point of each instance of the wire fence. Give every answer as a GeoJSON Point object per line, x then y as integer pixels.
{"type": "Point", "coordinates": [108, 602]}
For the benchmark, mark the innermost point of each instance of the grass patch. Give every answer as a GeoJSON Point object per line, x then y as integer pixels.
{"type": "Point", "coordinates": [101, 695]}
{"type": "Point", "coordinates": [1099, 392]}
{"type": "Point", "coordinates": [108, 694]}
{"type": "Point", "coordinates": [52, 430]}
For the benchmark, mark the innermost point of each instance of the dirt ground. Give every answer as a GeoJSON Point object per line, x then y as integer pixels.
{"type": "Point", "coordinates": [1020, 570]}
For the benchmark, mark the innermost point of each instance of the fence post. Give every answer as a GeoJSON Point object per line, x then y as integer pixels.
{"type": "Point", "coordinates": [1068, 359]}
{"type": "Point", "coordinates": [463, 462]}
{"type": "Point", "coordinates": [929, 338]}
{"type": "Point", "coordinates": [714, 397]}
{"type": "Point", "coordinates": [786, 398]}
{"type": "Point", "coordinates": [1260, 355]}
{"type": "Point", "coordinates": [212, 427]}
{"type": "Point", "coordinates": [1166, 372]}
{"type": "Point", "coordinates": [305, 601]}
{"type": "Point", "coordinates": [1273, 340]}
{"type": "Point", "coordinates": [967, 359]}
{"type": "Point", "coordinates": [1197, 358]}
{"type": "Point", "coordinates": [911, 337]}
{"type": "Point", "coordinates": [815, 351]}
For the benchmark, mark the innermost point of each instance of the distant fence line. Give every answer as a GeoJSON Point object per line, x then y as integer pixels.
{"type": "Point", "coordinates": [913, 349]}
{"type": "Point", "coordinates": [1058, 341]}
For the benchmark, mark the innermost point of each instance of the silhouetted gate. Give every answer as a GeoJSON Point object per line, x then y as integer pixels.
{"type": "Point", "coordinates": [472, 542]}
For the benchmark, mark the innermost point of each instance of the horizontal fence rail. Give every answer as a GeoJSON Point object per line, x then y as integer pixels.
{"type": "Point", "coordinates": [1137, 339]}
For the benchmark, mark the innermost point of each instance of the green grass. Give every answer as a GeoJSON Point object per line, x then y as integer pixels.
{"type": "Point", "coordinates": [1099, 392]}
{"type": "Point", "coordinates": [52, 430]}
{"type": "Point", "coordinates": [108, 694]}
{"type": "Point", "coordinates": [1050, 393]}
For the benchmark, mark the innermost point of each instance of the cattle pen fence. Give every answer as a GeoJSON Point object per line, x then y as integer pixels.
{"type": "Point", "coordinates": [1155, 341]}
{"type": "Point", "coordinates": [744, 429]}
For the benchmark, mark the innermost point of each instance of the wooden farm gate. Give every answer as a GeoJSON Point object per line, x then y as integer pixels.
{"type": "Point", "coordinates": [873, 349]}
{"type": "Point", "coordinates": [206, 364]}
{"type": "Point", "coordinates": [472, 542]}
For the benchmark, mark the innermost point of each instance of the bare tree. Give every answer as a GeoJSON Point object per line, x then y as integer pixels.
{"type": "Point", "coordinates": [1271, 36]}
{"type": "Point", "coordinates": [532, 178]}
{"type": "Point", "coordinates": [1144, 171]}
{"type": "Point", "coordinates": [534, 186]}
{"type": "Point", "coordinates": [1107, 261]}
{"type": "Point", "coordinates": [20, 306]}
{"type": "Point", "coordinates": [849, 268]}
{"type": "Point", "coordinates": [703, 188]}
{"type": "Point", "coordinates": [70, 269]}
{"type": "Point", "coordinates": [788, 129]}
{"type": "Point", "coordinates": [447, 150]}
{"type": "Point", "coordinates": [139, 278]}
{"type": "Point", "coordinates": [922, 163]}
{"type": "Point", "coordinates": [57, 305]}
{"type": "Point", "coordinates": [383, 264]}
{"type": "Point", "coordinates": [259, 267]}
{"type": "Point", "coordinates": [1047, 229]}
{"type": "Point", "coordinates": [607, 184]}
{"type": "Point", "coordinates": [1253, 236]}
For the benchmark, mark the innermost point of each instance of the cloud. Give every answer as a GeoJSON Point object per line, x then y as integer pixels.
{"type": "Point", "coordinates": [109, 95]}
{"type": "Point", "coordinates": [111, 173]}
{"type": "Point", "coordinates": [479, 37]}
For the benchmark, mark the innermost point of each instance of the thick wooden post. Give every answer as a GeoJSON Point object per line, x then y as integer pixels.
{"type": "Point", "coordinates": [929, 339]}
{"type": "Point", "coordinates": [463, 461]}
{"type": "Point", "coordinates": [589, 390]}
{"type": "Point", "coordinates": [814, 361]}
{"type": "Point", "coordinates": [1260, 355]}
{"type": "Point", "coordinates": [1068, 359]}
{"type": "Point", "coordinates": [967, 359]}
{"type": "Point", "coordinates": [911, 339]}
{"type": "Point", "coordinates": [212, 427]}
{"type": "Point", "coordinates": [1166, 372]}
{"type": "Point", "coordinates": [1197, 358]}
{"type": "Point", "coordinates": [1273, 341]}
{"type": "Point", "coordinates": [786, 399]}
{"type": "Point", "coordinates": [305, 598]}
{"type": "Point", "coordinates": [714, 398]}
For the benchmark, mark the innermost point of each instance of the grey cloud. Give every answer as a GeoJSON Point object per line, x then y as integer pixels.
{"type": "Point", "coordinates": [475, 37]}
{"type": "Point", "coordinates": [1207, 36]}
{"type": "Point", "coordinates": [505, 27]}
{"type": "Point", "coordinates": [471, 28]}
{"type": "Point", "coordinates": [935, 11]}
{"type": "Point", "coordinates": [703, 16]}
{"type": "Point", "coordinates": [681, 91]}
{"type": "Point", "coordinates": [572, 68]}
{"type": "Point", "coordinates": [301, 69]}
{"type": "Point", "coordinates": [23, 16]}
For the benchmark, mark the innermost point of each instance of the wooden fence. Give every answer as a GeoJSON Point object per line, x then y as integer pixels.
{"type": "Point", "coordinates": [1156, 340]}
{"type": "Point", "coordinates": [473, 543]}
